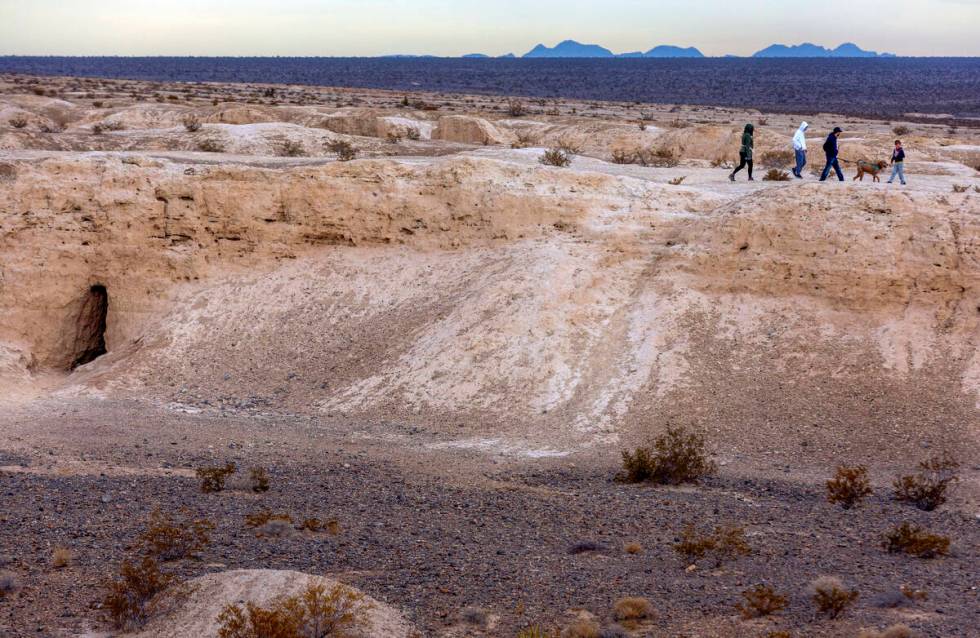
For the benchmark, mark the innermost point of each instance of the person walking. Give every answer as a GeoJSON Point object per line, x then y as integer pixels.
{"type": "Point", "coordinates": [799, 149]}
{"type": "Point", "coordinates": [745, 153]}
{"type": "Point", "coordinates": [898, 163]}
{"type": "Point", "coordinates": [831, 149]}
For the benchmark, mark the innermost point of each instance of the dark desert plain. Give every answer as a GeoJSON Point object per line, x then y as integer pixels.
{"type": "Point", "coordinates": [501, 349]}
{"type": "Point", "coordinates": [886, 87]}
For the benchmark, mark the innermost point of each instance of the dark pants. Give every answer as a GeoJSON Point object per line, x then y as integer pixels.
{"type": "Point", "coordinates": [743, 164]}
{"type": "Point", "coordinates": [800, 163]}
{"type": "Point", "coordinates": [832, 163]}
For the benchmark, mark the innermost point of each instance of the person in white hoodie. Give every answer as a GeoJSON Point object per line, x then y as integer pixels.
{"type": "Point", "coordinates": [799, 147]}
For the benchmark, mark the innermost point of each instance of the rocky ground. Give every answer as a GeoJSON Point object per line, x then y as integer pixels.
{"type": "Point", "coordinates": [444, 346]}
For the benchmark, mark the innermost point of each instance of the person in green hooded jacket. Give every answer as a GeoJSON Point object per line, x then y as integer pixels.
{"type": "Point", "coordinates": [745, 153]}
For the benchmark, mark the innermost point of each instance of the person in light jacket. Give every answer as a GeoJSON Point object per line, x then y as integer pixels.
{"type": "Point", "coordinates": [799, 148]}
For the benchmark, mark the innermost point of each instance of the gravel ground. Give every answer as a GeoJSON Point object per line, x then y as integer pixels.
{"type": "Point", "coordinates": [436, 533]}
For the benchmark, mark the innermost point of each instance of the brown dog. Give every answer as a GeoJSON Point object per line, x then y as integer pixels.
{"type": "Point", "coordinates": [870, 169]}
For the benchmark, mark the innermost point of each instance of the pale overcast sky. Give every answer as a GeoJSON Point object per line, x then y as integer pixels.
{"type": "Point", "coordinates": [456, 27]}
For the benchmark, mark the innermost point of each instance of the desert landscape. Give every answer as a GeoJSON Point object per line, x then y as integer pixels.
{"type": "Point", "coordinates": [468, 365]}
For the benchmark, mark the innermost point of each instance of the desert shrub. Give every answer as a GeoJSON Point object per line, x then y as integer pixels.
{"type": "Point", "coordinates": [18, 121]}
{"type": "Point", "coordinates": [726, 542]}
{"type": "Point", "coordinates": [475, 616]}
{"type": "Point", "coordinates": [849, 486]}
{"type": "Point", "coordinates": [677, 181]}
{"type": "Point", "coordinates": [777, 159]}
{"type": "Point", "coordinates": [959, 188]}
{"type": "Point", "coordinates": [36, 90]}
{"type": "Point", "coordinates": [633, 548]}
{"type": "Point", "coordinates": [536, 631]}
{"type": "Point", "coordinates": [762, 121]}
{"type": "Point", "coordinates": [570, 145]}
{"type": "Point", "coordinates": [831, 597]}
{"type": "Point", "coordinates": [259, 479]}
{"type": "Point", "coordinates": [211, 146]}
{"type": "Point", "coordinates": [581, 629]}
{"type": "Point", "coordinates": [344, 150]}
{"type": "Point", "coordinates": [658, 158]}
{"type": "Point", "coordinates": [192, 123]}
{"type": "Point", "coordinates": [54, 127]}
{"type": "Point", "coordinates": [914, 594]}
{"type": "Point", "coordinates": [135, 595]}
{"type": "Point", "coordinates": [622, 156]}
{"type": "Point", "coordinates": [779, 634]}
{"type": "Point", "coordinates": [291, 148]}
{"type": "Point", "coordinates": [61, 557]}
{"type": "Point", "coordinates": [413, 133]}
{"type": "Point", "coordinates": [901, 130]}
{"type": "Point", "coordinates": [259, 519]}
{"type": "Point", "coordinates": [632, 608]}
{"type": "Point", "coordinates": [556, 157]}
{"type": "Point", "coordinates": [98, 104]}
{"type": "Point", "coordinates": [895, 631]}
{"type": "Point", "coordinates": [915, 541]}
{"type": "Point", "coordinates": [9, 584]}
{"type": "Point", "coordinates": [584, 547]}
{"type": "Point", "coordinates": [213, 478]}
{"type": "Point", "coordinates": [675, 457]}
{"type": "Point", "coordinates": [776, 175]}
{"type": "Point", "coordinates": [642, 125]}
{"type": "Point", "coordinates": [927, 488]}
{"type": "Point", "coordinates": [524, 139]}
{"type": "Point", "coordinates": [516, 108]}
{"type": "Point", "coordinates": [678, 124]}
{"type": "Point", "coordinates": [166, 539]}
{"type": "Point", "coordinates": [316, 613]}
{"type": "Point", "coordinates": [761, 600]}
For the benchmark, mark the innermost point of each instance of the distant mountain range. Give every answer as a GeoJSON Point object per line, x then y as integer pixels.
{"type": "Point", "coordinates": [807, 50]}
{"type": "Point", "coordinates": [573, 49]}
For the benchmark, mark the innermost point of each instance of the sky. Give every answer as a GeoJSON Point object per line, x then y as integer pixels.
{"type": "Point", "coordinates": [457, 27]}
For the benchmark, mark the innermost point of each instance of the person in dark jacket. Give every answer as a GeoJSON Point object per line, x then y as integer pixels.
{"type": "Point", "coordinates": [745, 153]}
{"type": "Point", "coordinates": [898, 163]}
{"type": "Point", "coordinates": [831, 150]}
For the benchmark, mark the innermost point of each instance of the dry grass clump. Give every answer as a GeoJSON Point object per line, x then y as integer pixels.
{"type": "Point", "coordinates": [516, 108]}
{"type": "Point", "coordinates": [776, 175]}
{"type": "Point", "coordinates": [9, 584]}
{"type": "Point", "coordinates": [779, 634]}
{"type": "Point", "coordinates": [213, 478]}
{"type": "Point", "coordinates": [927, 488]}
{"type": "Point", "coordinates": [895, 631]}
{"type": "Point", "coordinates": [831, 597]}
{"type": "Point", "coordinates": [633, 548]}
{"type": "Point", "coordinates": [525, 139]}
{"type": "Point", "coordinates": [849, 486]}
{"type": "Point", "coordinates": [761, 600]}
{"type": "Point", "coordinates": [726, 542]}
{"type": "Point", "coordinates": [677, 181]}
{"type": "Point", "coordinates": [959, 188]}
{"type": "Point", "coordinates": [61, 557]}
{"type": "Point", "coordinates": [675, 457]}
{"type": "Point", "coordinates": [475, 616]}
{"type": "Point", "coordinates": [901, 130]}
{"type": "Point", "coordinates": [344, 150]}
{"type": "Point", "coordinates": [632, 608]}
{"type": "Point", "coordinates": [535, 631]}
{"type": "Point", "coordinates": [623, 156]}
{"type": "Point", "coordinates": [777, 159]}
{"type": "Point", "coordinates": [291, 148]}
{"type": "Point", "coordinates": [211, 145]}
{"type": "Point", "coordinates": [192, 123]}
{"type": "Point", "coordinates": [261, 518]}
{"type": "Point", "coordinates": [136, 594]}
{"type": "Point", "coordinates": [582, 629]}
{"type": "Point", "coordinates": [167, 540]}
{"type": "Point", "coordinates": [570, 145]}
{"type": "Point", "coordinates": [557, 157]}
{"type": "Point", "coordinates": [915, 541]}
{"type": "Point", "coordinates": [18, 121]}
{"type": "Point", "coordinates": [101, 127]}
{"type": "Point", "coordinates": [657, 157]}
{"type": "Point", "coordinates": [259, 479]}
{"type": "Point", "coordinates": [413, 133]}
{"type": "Point", "coordinates": [316, 613]}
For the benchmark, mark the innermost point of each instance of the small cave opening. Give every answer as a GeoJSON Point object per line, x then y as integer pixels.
{"type": "Point", "coordinates": [90, 326]}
